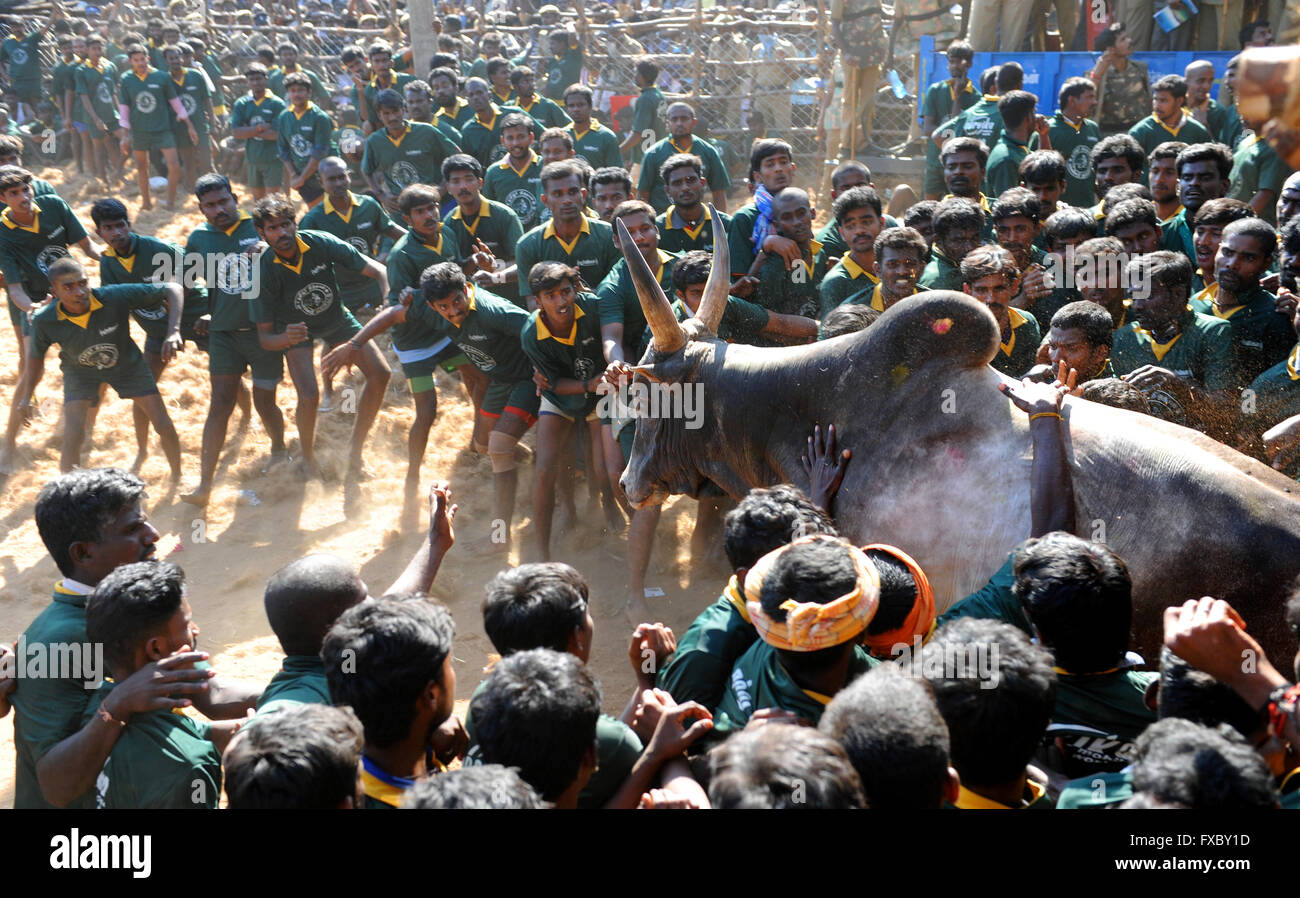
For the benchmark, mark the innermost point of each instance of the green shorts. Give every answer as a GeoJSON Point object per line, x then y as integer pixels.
{"type": "Point", "coordinates": [29, 92]}
{"type": "Point", "coordinates": [143, 141]}
{"type": "Point", "coordinates": [519, 399]}
{"type": "Point", "coordinates": [128, 380]}
{"type": "Point", "coordinates": [182, 135]}
{"type": "Point", "coordinates": [155, 329]}
{"type": "Point", "coordinates": [625, 437]}
{"type": "Point", "coordinates": [340, 333]}
{"type": "Point", "coordinates": [419, 375]}
{"type": "Point", "coordinates": [265, 174]}
{"type": "Point", "coordinates": [19, 318]}
{"type": "Point", "coordinates": [232, 352]}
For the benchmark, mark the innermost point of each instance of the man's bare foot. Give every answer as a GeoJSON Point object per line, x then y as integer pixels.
{"type": "Point", "coordinates": [29, 413]}
{"type": "Point", "coordinates": [139, 463]}
{"type": "Point", "coordinates": [7, 465]}
{"type": "Point", "coordinates": [566, 519]}
{"type": "Point", "coordinates": [357, 472]}
{"type": "Point", "coordinates": [201, 496]}
{"type": "Point", "coordinates": [277, 458]}
{"type": "Point", "coordinates": [146, 207]}
{"type": "Point", "coordinates": [351, 496]}
{"type": "Point", "coordinates": [309, 469]}
{"type": "Point", "coordinates": [635, 610]}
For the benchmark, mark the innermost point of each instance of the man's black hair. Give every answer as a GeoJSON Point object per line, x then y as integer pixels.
{"type": "Point", "coordinates": [680, 160]}
{"type": "Point", "coordinates": [768, 518]}
{"type": "Point", "coordinates": [304, 598]}
{"type": "Point", "coordinates": [898, 592]}
{"type": "Point", "coordinates": [783, 767]}
{"type": "Point", "coordinates": [1077, 593]}
{"type": "Point", "coordinates": [1189, 765]}
{"type": "Point", "coordinates": [1222, 211]}
{"type": "Point", "coordinates": [1166, 269]}
{"type": "Point", "coordinates": [900, 239]}
{"type": "Point", "coordinates": [846, 319]}
{"type": "Point", "coordinates": [767, 146]}
{"type": "Point", "coordinates": [895, 737]}
{"type": "Point", "coordinates": [76, 507]}
{"type": "Point", "coordinates": [559, 170]}
{"type": "Point", "coordinates": [919, 212]}
{"type": "Point", "coordinates": [1130, 191]}
{"type": "Point", "coordinates": [440, 280]}
{"type": "Point", "coordinates": [132, 603]}
{"type": "Point", "coordinates": [994, 731]}
{"type": "Point", "coordinates": [1289, 236]}
{"type": "Point", "coordinates": [1092, 320]}
{"type": "Point", "coordinates": [850, 165]}
{"type": "Point", "coordinates": [960, 49]}
{"type": "Point", "coordinates": [1206, 152]}
{"type": "Point", "coordinates": [1119, 146]}
{"type": "Point", "coordinates": [612, 174]}
{"type": "Point", "coordinates": [1011, 77]}
{"type": "Point", "coordinates": [447, 72]}
{"type": "Point", "coordinates": [691, 268]}
{"type": "Point", "coordinates": [648, 71]}
{"type": "Point", "coordinates": [1017, 201]}
{"type": "Point", "coordinates": [1131, 212]}
{"type": "Point", "coordinates": [109, 209]}
{"type": "Point", "coordinates": [965, 145]}
{"type": "Point", "coordinates": [537, 712]}
{"type": "Point", "coordinates": [549, 275]}
{"type": "Point", "coordinates": [1043, 167]}
{"type": "Point", "coordinates": [1073, 87]}
{"type": "Point", "coordinates": [860, 197]}
{"type": "Point", "coordinates": [1257, 228]}
{"type": "Point", "coordinates": [534, 606]}
{"type": "Point", "coordinates": [1174, 85]}
{"type": "Point", "coordinates": [1167, 150]}
{"type": "Point", "coordinates": [483, 787]}
{"type": "Point", "coordinates": [1190, 694]}
{"type": "Point", "coordinates": [955, 214]}
{"type": "Point", "coordinates": [301, 758]}
{"type": "Point", "coordinates": [1247, 32]}
{"type": "Point", "coordinates": [815, 572]}
{"type": "Point", "coordinates": [1068, 223]}
{"type": "Point", "coordinates": [389, 99]}
{"type": "Point", "coordinates": [1016, 106]}
{"type": "Point", "coordinates": [380, 657]}
{"type": "Point", "coordinates": [1104, 41]}
{"type": "Point", "coordinates": [461, 162]}
{"type": "Point", "coordinates": [516, 120]}
{"type": "Point", "coordinates": [989, 79]}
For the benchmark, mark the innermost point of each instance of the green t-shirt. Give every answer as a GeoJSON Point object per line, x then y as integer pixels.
{"type": "Point", "coordinates": [275, 84]}
{"type": "Point", "coordinates": [1151, 132]}
{"type": "Point", "coordinates": [498, 227]}
{"type": "Point", "coordinates": [1202, 351]}
{"type": "Point", "coordinates": [228, 271]}
{"type": "Point", "coordinates": [619, 303]}
{"type": "Point", "coordinates": [26, 255]}
{"type": "Point", "coordinates": [742, 322]}
{"type": "Point", "coordinates": [521, 191]}
{"type": "Point", "coordinates": [794, 290]}
{"type": "Point", "coordinates": [489, 336]}
{"type": "Point", "coordinates": [151, 261]}
{"type": "Point", "coordinates": [994, 600]}
{"type": "Point", "coordinates": [647, 118]}
{"type": "Point", "coordinates": [300, 681]}
{"type": "Point", "coordinates": [305, 137]}
{"type": "Point", "coordinates": [397, 82]}
{"type": "Point", "coordinates": [578, 355]}
{"type": "Point", "coordinates": [48, 709]}
{"type": "Point", "coordinates": [740, 239]}
{"type": "Point", "coordinates": [249, 112]}
{"type": "Point", "coordinates": [98, 86]}
{"type": "Point", "coordinates": [1261, 337]}
{"type": "Point", "coordinates": [592, 252]}
{"type": "Point", "coordinates": [939, 105]}
{"type": "Point", "coordinates": [650, 182]}
{"type": "Point", "coordinates": [598, 145]}
{"type": "Point", "coordinates": [1111, 703]}
{"type": "Point", "coordinates": [23, 56]}
{"type": "Point", "coordinates": [363, 228]}
{"type": "Point", "coordinates": [1255, 167]}
{"type": "Point", "coordinates": [677, 237]}
{"type": "Point", "coordinates": [1223, 123]}
{"type": "Point", "coordinates": [195, 97]}
{"type": "Point", "coordinates": [617, 750]}
{"type": "Point", "coordinates": [414, 158]}
{"type": "Point", "coordinates": [1277, 390]}
{"type": "Point", "coordinates": [104, 342]}
{"type": "Point", "coordinates": [1176, 236]}
{"type": "Point", "coordinates": [420, 335]}
{"type": "Point", "coordinates": [561, 71]}
{"type": "Point", "coordinates": [1003, 170]}
{"type": "Point", "coordinates": [844, 279]}
{"type": "Point", "coordinates": [458, 117]}
{"type": "Point", "coordinates": [1018, 354]}
{"type": "Point", "coordinates": [148, 100]}
{"type": "Point", "coordinates": [708, 650]}
{"type": "Point", "coordinates": [307, 292]}
{"type": "Point", "coordinates": [545, 111]}
{"type": "Point", "coordinates": [980, 120]}
{"type": "Point", "coordinates": [162, 760]}
{"type": "Point", "coordinates": [759, 680]}
{"type": "Point", "coordinates": [1075, 145]}
{"type": "Point", "coordinates": [1100, 790]}
{"type": "Point", "coordinates": [941, 273]}
{"type": "Point", "coordinates": [64, 80]}
{"type": "Point", "coordinates": [482, 140]}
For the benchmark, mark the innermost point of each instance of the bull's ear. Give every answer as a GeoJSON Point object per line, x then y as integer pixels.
{"type": "Point", "coordinates": [714, 302]}
{"type": "Point", "coordinates": [664, 326]}
{"type": "Point", "coordinates": [648, 372]}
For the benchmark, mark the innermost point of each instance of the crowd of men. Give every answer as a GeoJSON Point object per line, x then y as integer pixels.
{"type": "Point", "coordinates": [482, 226]}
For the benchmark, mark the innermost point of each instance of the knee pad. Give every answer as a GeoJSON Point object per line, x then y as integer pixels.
{"type": "Point", "coordinates": [501, 450]}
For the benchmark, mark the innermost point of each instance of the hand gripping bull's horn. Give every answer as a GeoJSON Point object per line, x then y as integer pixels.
{"type": "Point", "coordinates": [718, 285]}
{"type": "Point", "coordinates": [666, 330]}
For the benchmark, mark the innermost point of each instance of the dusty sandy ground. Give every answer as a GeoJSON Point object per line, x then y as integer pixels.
{"type": "Point", "coordinates": [229, 552]}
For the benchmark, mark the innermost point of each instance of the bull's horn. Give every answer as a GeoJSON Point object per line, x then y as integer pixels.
{"type": "Point", "coordinates": [664, 326]}
{"type": "Point", "coordinates": [648, 372]}
{"type": "Point", "coordinates": [718, 285]}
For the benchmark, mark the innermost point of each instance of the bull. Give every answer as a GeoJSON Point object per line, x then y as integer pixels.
{"type": "Point", "coordinates": [941, 459]}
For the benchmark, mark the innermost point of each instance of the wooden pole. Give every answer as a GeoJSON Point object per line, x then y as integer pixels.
{"type": "Point", "coordinates": [424, 43]}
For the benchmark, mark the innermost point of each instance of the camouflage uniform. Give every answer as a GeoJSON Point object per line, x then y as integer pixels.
{"type": "Point", "coordinates": [1123, 97]}
{"type": "Point", "coordinates": [863, 47]}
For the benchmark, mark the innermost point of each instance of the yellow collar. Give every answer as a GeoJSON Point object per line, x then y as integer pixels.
{"type": "Point", "coordinates": [520, 103]}
{"type": "Point", "coordinates": [81, 321]}
{"type": "Point", "coordinates": [392, 80]}
{"type": "Point", "coordinates": [179, 82]}
{"type": "Point", "coordinates": [856, 271]}
{"type": "Point", "coordinates": [398, 141]}
{"type": "Point", "coordinates": [306, 109]}
{"type": "Point", "coordinates": [34, 227]}
{"type": "Point", "coordinates": [1065, 118]}
{"type": "Point", "coordinates": [506, 163]}
{"type": "Point", "coordinates": [969, 801]}
{"type": "Point", "coordinates": [503, 99]}
{"type": "Point", "coordinates": [302, 254]}
{"type": "Point", "coordinates": [1160, 349]}
{"type": "Point", "coordinates": [693, 233]}
{"type": "Point", "coordinates": [952, 91]}
{"type": "Point", "coordinates": [379, 790]}
{"type": "Point", "coordinates": [984, 201]}
{"type": "Point", "coordinates": [496, 111]}
{"type": "Point", "coordinates": [814, 248]}
{"type": "Point", "coordinates": [127, 261]}
{"type": "Point", "coordinates": [1172, 131]}
{"type": "Point", "coordinates": [543, 332]}
{"type": "Point", "coordinates": [549, 231]}
{"type": "Point", "coordinates": [1293, 363]}
{"type": "Point", "coordinates": [331, 208]}
{"type": "Point", "coordinates": [1225, 315]}
{"type": "Point", "coordinates": [484, 211]}
{"type": "Point", "coordinates": [673, 144]}
{"type": "Point", "coordinates": [1177, 212]}
{"type": "Point", "coordinates": [243, 217]}
{"type": "Point", "coordinates": [144, 77]}
{"type": "Point", "coordinates": [592, 125]}
{"type": "Point", "coordinates": [992, 98]}
{"type": "Point", "coordinates": [732, 595]}
{"type": "Point", "coordinates": [1018, 318]}
{"type": "Point", "coordinates": [436, 247]}
{"type": "Point", "coordinates": [256, 101]}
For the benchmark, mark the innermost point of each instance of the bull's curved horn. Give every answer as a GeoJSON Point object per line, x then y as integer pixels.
{"type": "Point", "coordinates": [718, 285]}
{"type": "Point", "coordinates": [664, 326]}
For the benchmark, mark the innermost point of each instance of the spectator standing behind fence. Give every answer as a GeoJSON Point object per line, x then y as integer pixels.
{"type": "Point", "coordinates": [858, 32]}
{"type": "Point", "coordinates": [1137, 17]}
{"type": "Point", "coordinates": [772, 79]}
{"type": "Point", "coordinates": [725, 50]}
{"type": "Point", "coordinates": [1123, 84]}
{"type": "Point", "coordinates": [999, 25]}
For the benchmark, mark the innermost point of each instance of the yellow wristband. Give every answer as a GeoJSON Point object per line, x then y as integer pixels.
{"type": "Point", "coordinates": [1045, 415]}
